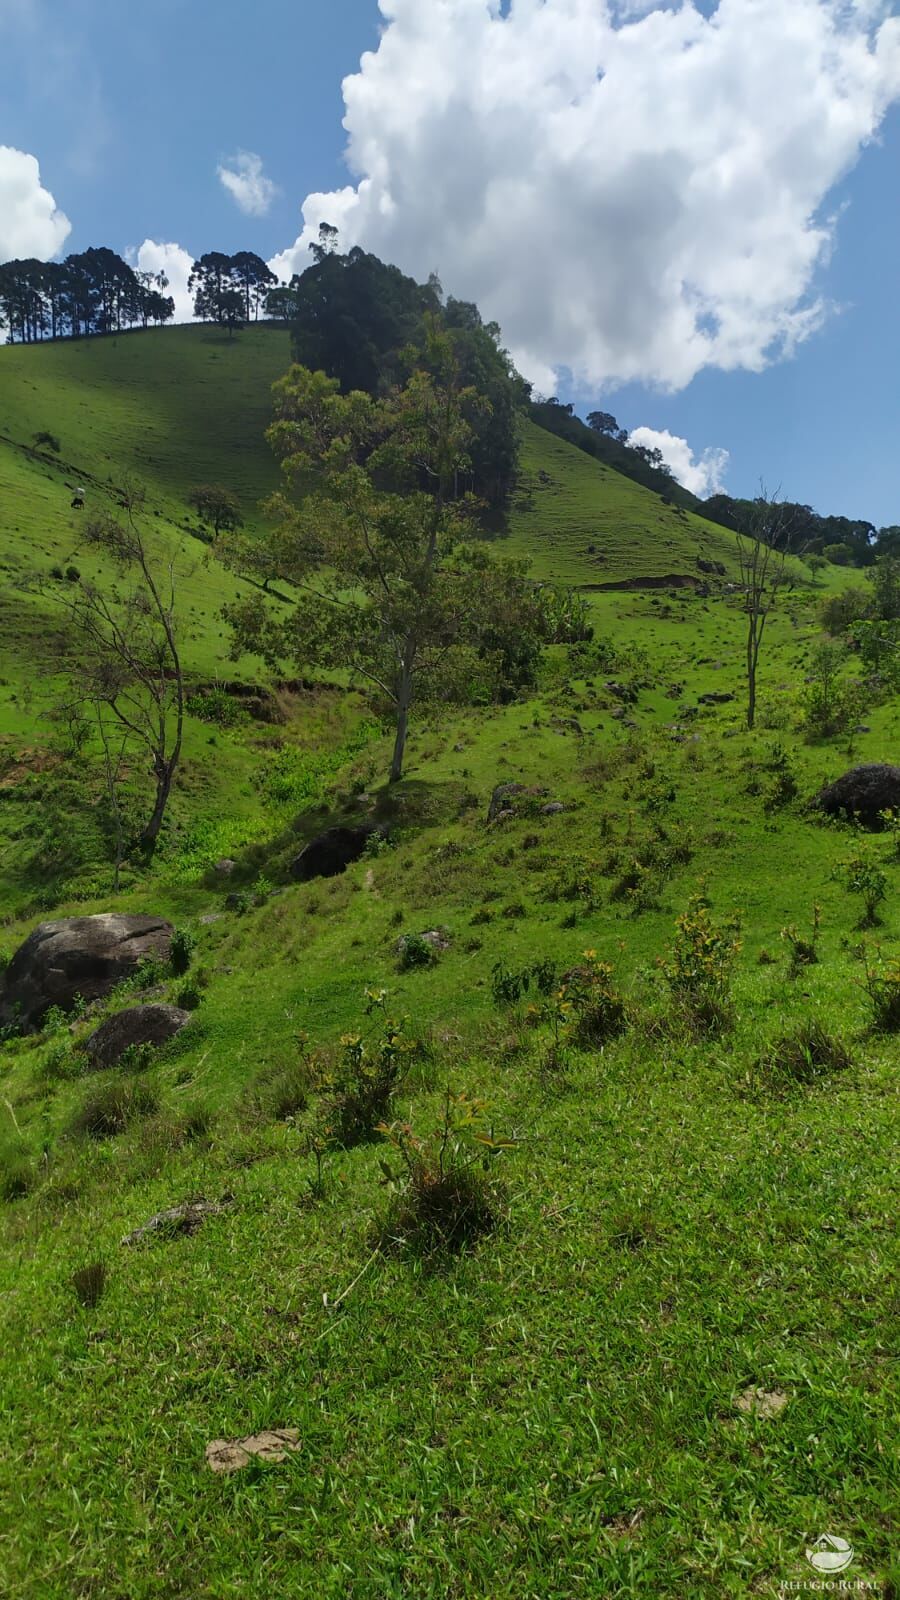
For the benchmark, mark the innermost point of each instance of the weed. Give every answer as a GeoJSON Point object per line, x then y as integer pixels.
{"type": "Point", "coordinates": [112, 1108]}
{"type": "Point", "coordinates": [882, 987]}
{"type": "Point", "coordinates": [444, 1196]}
{"type": "Point", "coordinates": [183, 942]}
{"type": "Point", "coordinates": [861, 874]}
{"type": "Point", "coordinates": [508, 987]}
{"type": "Point", "coordinates": [415, 951]}
{"type": "Point", "coordinates": [698, 972]}
{"type": "Point", "coordinates": [803, 952]}
{"type": "Point", "coordinates": [589, 1004]}
{"type": "Point", "coordinates": [806, 1054]}
{"type": "Point", "coordinates": [281, 1093]}
{"type": "Point", "coordinates": [369, 1071]}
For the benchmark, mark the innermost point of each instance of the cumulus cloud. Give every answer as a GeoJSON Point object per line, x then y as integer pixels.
{"type": "Point", "coordinates": [703, 475]}
{"type": "Point", "coordinates": [634, 190]}
{"type": "Point", "coordinates": [176, 263]}
{"type": "Point", "coordinates": [30, 222]}
{"type": "Point", "coordinates": [247, 184]}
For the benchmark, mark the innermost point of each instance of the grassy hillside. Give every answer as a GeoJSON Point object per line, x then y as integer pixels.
{"type": "Point", "coordinates": [668, 1366]}
{"type": "Point", "coordinates": [584, 523]}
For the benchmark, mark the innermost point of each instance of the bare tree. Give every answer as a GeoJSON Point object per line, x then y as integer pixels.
{"type": "Point", "coordinates": [124, 659]}
{"type": "Point", "coordinates": [765, 575]}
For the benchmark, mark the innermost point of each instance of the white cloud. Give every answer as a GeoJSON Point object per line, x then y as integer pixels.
{"type": "Point", "coordinates": [176, 263]}
{"type": "Point", "coordinates": [30, 222]}
{"type": "Point", "coordinates": [634, 191]}
{"type": "Point", "coordinates": [703, 475]}
{"type": "Point", "coordinates": [247, 184]}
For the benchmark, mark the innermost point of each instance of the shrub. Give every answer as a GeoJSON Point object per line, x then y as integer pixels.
{"type": "Point", "coordinates": [217, 707]}
{"type": "Point", "coordinates": [862, 875]}
{"type": "Point", "coordinates": [882, 987]}
{"type": "Point", "coordinates": [806, 1054]}
{"type": "Point", "coordinates": [414, 951]}
{"type": "Point", "coordinates": [183, 942]}
{"type": "Point", "coordinates": [110, 1109]}
{"type": "Point", "coordinates": [508, 987]}
{"type": "Point", "coordinates": [832, 703]}
{"type": "Point", "coordinates": [698, 972]}
{"type": "Point", "coordinates": [369, 1071]}
{"type": "Point", "coordinates": [444, 1195]}
{"type": "Point", "coordinates": [803, 952]}
{"type": "Point", "coordinates": [839, 611]}
{"type": "Point", "coordinates": [17, 1177]}
{"type": "Point", "coordinates": [590, 1003]}
{"type": "Point", "coordinates": [49, 440]}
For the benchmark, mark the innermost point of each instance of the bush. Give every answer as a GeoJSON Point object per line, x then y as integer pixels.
{"type": "Point", "coordinates": [414, 951]}
{"type": "Point", "coordinates": [803, 952]}
{"type": "Point", "coordinates": [111, 1109]}
{"type": "Point", "coordinates": [862, 875]}
{"type": "Point", "coordinates": [183, 942]}
{"type": "Point", "coordinates": [882, 987]}
{"type": "Point", "coordinates": [508, 987]}
{"type": "Point", "coordinates": [590, 1003]}
{"type": "Point", "coordinates": [217, 707]}
{"type": "Point", "coordinates": [840, 611]}
{"type": "Point", "coordinates": [444, 1196]}
{"type": "Point", "coordinates": [832, 703]}
{"type": "Point", "coordinates": [808, 1053]}
{"type": "Point", "coordinates": [361, 1089]}
{"type": "Point", "coordinates": [698, 973]}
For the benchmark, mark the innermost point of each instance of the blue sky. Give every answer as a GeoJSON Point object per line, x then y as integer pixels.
{"type": "Point", "coordinates": [130, 112]}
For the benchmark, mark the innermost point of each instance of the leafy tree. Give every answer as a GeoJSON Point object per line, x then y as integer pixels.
{"type": "Point", "coordinates": [373, 537]}
{"type": "Point", "coordinates": [255, 280]}
{"type": "Point", "coordinates": [603, 422]}
{"type": "Point", "coordinates": [218, 290]}
{"type": "Point", "coordinates": [123, 654]}
{"type": "Point", "coordinates": [886, 583]}
{"type": "Point", "coordinates": [217, 507]}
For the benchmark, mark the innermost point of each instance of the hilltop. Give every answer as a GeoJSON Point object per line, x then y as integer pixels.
{"type": "Point", "coordinates": [663, 1361]}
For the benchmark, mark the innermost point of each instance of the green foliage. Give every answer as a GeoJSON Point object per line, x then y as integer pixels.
{"type": "Point", "coordinates": [281, 1093]}
{"type": "Point", "coordinates": [861, 874]}
{"type": "Point", "coordinates": [415, 951]}
{"type": "Point", "coordinates": [89, 1284]}
{"type": "Point", "coordinates": [369, 1071]}
{"type": "Point", "coordinates": [218, 708]}
{"type": "Point", "coordinates": [832, 703]}
{"type": "Point", "coordinates": [839, 612]}
{"type": "Point", "coordinates": [182, 951]}
{"type": "Point", "coordinates": [804, 952]}
{"type": "Point", "coordinates": [444, 1196]}
{"type": "Point", "coordinates": [806, 1054]}
{"type": "Point", "coordinates": [877, 643]}
{"type": "Point", "coordinates": [699, 970]}
{"type": "Point", "coordinates": [882, 988]}
{"type": "Point", "coordinates": [588, 1009]}
{"type": "Point", "coordinates": [112, 1107]}
{"type": "Point", "coordinates": [508, 987]}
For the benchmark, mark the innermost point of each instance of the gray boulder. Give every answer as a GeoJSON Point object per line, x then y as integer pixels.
{"type": "Point", "coordinates": [141, 1025]}
{"type": "Point", "coordinates": [864, 793]}
{"type": "Point", "coordinates": [78, 956]}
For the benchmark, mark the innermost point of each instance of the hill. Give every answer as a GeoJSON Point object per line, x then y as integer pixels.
{"type": "Point", "coordinates": [663, 1361]}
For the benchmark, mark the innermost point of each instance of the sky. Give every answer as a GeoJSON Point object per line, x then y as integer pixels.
{"type": "Point", "coordinates": [683, 213]}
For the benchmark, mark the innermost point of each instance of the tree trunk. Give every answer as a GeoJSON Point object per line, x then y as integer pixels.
{"type": "Point", "coordinates": [404, 700]}
{"type": "Point", "coordinates": [150, 835]}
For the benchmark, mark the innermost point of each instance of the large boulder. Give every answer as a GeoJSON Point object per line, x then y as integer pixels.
{"type": "Point", "coordinates": [333, 851]}
{"type": "Point", "coordinates": [140, 1025]}
{"type": "Point", "coordinates": [79, 956]}
{"type": "Point", "coordinates": [864, 793]}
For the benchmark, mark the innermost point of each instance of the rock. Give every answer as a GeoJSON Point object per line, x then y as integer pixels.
{"type": "Point", "coordinates": [508, 797]}
{"type": "Point", "coordinates": [864, 793]}
{"type": "Point", "coordinates": [714, 698]}
{"type": "Point", "coordinates": [210, 918]}
{"type": "Point", "coordinates": [186, 1218]}
{"type": "Point", "coordinates": [759, 1402]}
{"type": "Point", "coordinates": [438, 938]}
{"type": "Point", "coordinates": [79, 956]}
{"type": "Point", "coordinates": [622, 691]}
{"type": "Point", "coordinates": [553, 809]}
{"type": "Point", "coordinates": [140, 1025]}
{"type": "Point", "coordinates": [225, 867]}
{"type": "Point", "coordinates": [333, 851]}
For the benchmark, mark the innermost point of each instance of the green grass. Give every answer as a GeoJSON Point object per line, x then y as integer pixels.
{"type": "Point", "coordinates": [553, 1413]}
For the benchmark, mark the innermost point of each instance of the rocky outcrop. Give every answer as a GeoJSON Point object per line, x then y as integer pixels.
{"type": "Point", "coordinates": [141, 1025]}
{"type": "Point", "coordinates": [863, 793]}
{"type": "Point", "coordinates": [334, 851]}
{"type": "Point", "coordinates": [78, 957]}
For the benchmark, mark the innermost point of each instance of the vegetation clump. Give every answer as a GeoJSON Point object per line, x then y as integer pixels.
{"type": "Point", "coordinates": [698, 972]}
{"type": "Point", "coordinates": [444, 1196]}
{"type": "Point", "coordinates": [369, 1071]}
{"type": "Point", "coordinates": [806, 1054]}
{"type": "Point", "coordinates": [112, 1108]}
